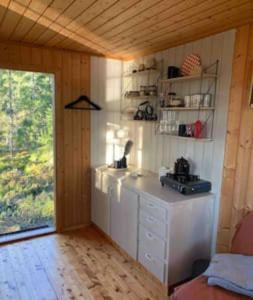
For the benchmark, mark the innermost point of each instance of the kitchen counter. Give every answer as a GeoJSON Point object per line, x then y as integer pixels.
{"type": "Point", "coordinates": [149, 184]}
{"type": "Point", "coordinates": [155, 225]}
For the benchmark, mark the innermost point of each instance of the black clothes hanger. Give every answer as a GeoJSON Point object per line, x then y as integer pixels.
{"type": "Point", "coordinates": [93, 106]}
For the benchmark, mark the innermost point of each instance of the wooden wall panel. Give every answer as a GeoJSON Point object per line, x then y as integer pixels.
{"type": "Point", "coordinates": [237, 196]}
{"type": "Point", "coordinates": [72, 128]}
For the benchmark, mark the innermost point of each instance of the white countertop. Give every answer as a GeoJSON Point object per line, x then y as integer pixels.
{"type": "Point", "coordinates": [149, 184]}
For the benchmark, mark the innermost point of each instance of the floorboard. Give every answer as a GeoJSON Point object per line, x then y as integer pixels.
{"type": "Point", "coordinates": [76, 265]}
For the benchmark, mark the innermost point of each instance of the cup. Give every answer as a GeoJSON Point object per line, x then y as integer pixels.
{"type": "Point", "coordinates": [187, 101]}
{"type": "Point", "coordinates": [196, 100]}
{"type": "Point", "coordinates": [173, 72]}
{"type": "Point", "coordinates": [207, 100]}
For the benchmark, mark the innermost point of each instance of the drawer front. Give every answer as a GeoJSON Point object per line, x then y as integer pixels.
{"type": "Point", "coordinates": [152, 264]}
{"type": "Point", "coordinates": [155, 245]}
{"type": "Point", "coordinates": [154, 225]}
{"type": "Point", "coordinates": [153, 209]}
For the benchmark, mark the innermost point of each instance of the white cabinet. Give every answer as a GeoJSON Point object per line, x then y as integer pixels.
{"type": "Point", "coordinates": [100, 204]}
{"type": "Point", "coordinates": [165, 236]}
{"type": "Point", "coordinates": [124, 218]}
{"type": "Point", "coordinates": [114, 210]}
{"type": "Point", "coordinates": [171, 238]}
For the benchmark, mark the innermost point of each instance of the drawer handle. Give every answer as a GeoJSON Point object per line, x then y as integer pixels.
{"type": "Point", "coordinates": [150, 219]}
{"type": "Point", "coordinates": [148, 257]}
{"type": "Point", "coordinates": [149, 235]}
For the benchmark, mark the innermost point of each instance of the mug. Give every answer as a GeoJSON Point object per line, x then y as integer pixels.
{"type": "Point", "coordinates": [187, 101]}
{"type": "Point", "coordinates": [207, 100]}
{"type": "Point", "coordinates": [173, 72]}
{"type": "Point", "coordinates": [196, 100]}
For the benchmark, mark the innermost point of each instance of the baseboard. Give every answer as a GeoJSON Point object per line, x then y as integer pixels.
{"type": "Point", "coordinates": [138, 265]}
{"type": "Point", "coordinates": [76, 227]}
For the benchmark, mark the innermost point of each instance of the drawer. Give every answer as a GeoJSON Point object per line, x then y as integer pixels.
{"type": "Point", "coordinates": [154, 225]}
{"type": "Point", "coordinates": [155, 245]}
{"type": "Point", "coordinates": [152, 264]}
{"type": "Point", "coordinates": [152, 208]}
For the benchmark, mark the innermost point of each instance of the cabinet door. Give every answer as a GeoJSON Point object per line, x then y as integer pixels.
{"type": "Point", "coordinates": [116, 212]}
{"type": "Point", "coordinates": [124, 218]}
{"type": "Point", "coordinates": [130, 221]}
{"type": "Point", "coordinates": [100, 206]}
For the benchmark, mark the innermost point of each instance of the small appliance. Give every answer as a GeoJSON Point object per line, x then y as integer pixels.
{"type": "Point", "coordinates": [184, 182]}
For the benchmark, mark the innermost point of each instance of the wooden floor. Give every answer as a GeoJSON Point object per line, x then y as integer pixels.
{"type": "Point", "coordinates": [76, 265]}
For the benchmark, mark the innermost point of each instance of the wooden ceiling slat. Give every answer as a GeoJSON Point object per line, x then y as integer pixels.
{"type": "Point", "coordinates": [199, 30]}
{"type": "Point", "coordinates": [137, 12]}
{"type": "Point", "coordinates": [116, 9]}
{"type": "Point", "coordinates": [164, 13]}
{"type": "Point", "coordinates": [38, 8]}
{"type": "Point", "coordinates": [24, 25]}
{"type": "Point", "coordinates": [94, 10]}
{"type": "Point", "coordinates": [86, 40]}
{"type": "Point", "coordinates": [9, 24]}
{"type": "Point", "coordinates": [72, 45]}
{"type": "Point", "coordinates": [53, 12]}
{"type": "Point", "coordinates": [118, 28]}
{"type": "Point", "coordinates": [163, 29]}
{"type": "Point", "coordinates": [67, 16]}
{"type": "Point", "coordinates": [22, 10]}
{"type": "Point", "coordinates": [58, 11]}
{"type": "Point", "coordinates": [2, 11]}
{"type": "Point", "coordinates": [91, 13]}
{"type": "Point", "coordinates": [77, 8]}
{"type": "Point", "coordinates": [4, 5]}
{"type": "Point", "coordinates": [71, 22]}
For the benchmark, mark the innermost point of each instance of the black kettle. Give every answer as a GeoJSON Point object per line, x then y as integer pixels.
{"type": "Point", "coordinates": [182, 167]}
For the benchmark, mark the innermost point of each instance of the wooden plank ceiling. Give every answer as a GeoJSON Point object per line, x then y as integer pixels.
{"type": "Point", "coordinates": [122, 29]}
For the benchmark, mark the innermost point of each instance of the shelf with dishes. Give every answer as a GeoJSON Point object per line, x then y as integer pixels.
{"type": "Point", "coordinates": [145, 72]}
{"type": "Point", "coordinates": [144, 92]}
{"type": "Point", "coordinates": [196, 109]}
{"type": "Point", "coordinates": [149, 68]}
{"type": "Point", "coordinates": [142, 97]}
{"type": "Point", "coordinates": [183, 138]}
{"type": "Point", "coordinates": [190, 77]}
{"type": "Point", "coordinates": [146, 107]}
{"type": "Point", "coordinates": [145, 112]}
{"type": "Point", "coordinates": [184, 115]}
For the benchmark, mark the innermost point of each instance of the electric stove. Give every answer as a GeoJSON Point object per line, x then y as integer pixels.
{"type": "Point", "coordinates": [186, 184]}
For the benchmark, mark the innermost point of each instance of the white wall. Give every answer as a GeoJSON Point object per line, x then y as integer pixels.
{"type": "Point", "coordinates": [150, 150]}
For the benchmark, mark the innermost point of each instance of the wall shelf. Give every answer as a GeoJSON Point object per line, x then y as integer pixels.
{"type": "Point", "coordinates": [193, 77]}
{"type": "Point", "coordinates": [146, 121]}
{"type": "Point", "coordinates": [187, 108]}
{"type": "Point", "coordinates": [187, 138]}
{"type": "Point", "coordinates": [146, 72]}
{"type": "Point", "coordinates": [171, 117]}
{"type": "Point", "coordinates": [142, 97]}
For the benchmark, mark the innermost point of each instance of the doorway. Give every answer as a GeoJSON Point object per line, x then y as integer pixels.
{"type": "Point", "coordinates": [26, 151]}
